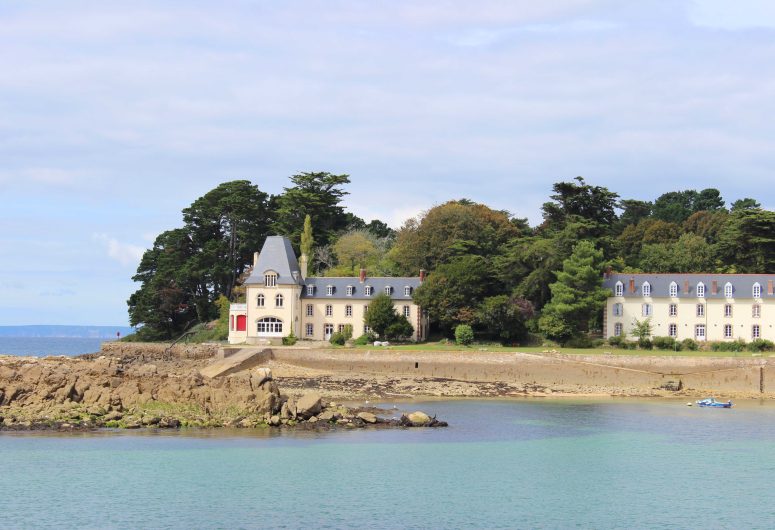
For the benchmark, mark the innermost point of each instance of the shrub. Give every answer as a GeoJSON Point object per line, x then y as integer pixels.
{"type": "Point", "coordinates": [290, 340]}
{"type": "Point", "coordinates": [629, 345]}
{"type": "Point", "coordinates": [644, 344]}
{"type": "Point", "coordinates": [616, 341]}
{"type": "Point", "coordinates": [337, 338]}
{"type": "Point", "coordinates": [366, 338]}
{"type": "Point", "coordinates": [347, 331]}
{"type": "Point", "coordinates": [759, 345]}
{"type": "Point", "coordinates": [736, 346]}
{"type": "Point", "coordinates": [400, 329]}
{"type": "Point", "coordinates": [664, 343]}
{"type": "Point", "coordinates": [582, 341]}
{"type": "Point", "coordinates": [464, 335]}
{"type": "Point", "coordinates": [690, 344]}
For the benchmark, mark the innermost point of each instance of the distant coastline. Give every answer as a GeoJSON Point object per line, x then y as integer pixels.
{"type": "Point", "coordinates": [81, 332]}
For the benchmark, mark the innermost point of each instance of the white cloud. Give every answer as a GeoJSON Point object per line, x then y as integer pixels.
{"type": "Point", "coordinates": [124, 253]}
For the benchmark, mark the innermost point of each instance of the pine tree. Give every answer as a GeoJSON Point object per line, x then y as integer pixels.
{"type": "Point", "coordinates": [577, 295]}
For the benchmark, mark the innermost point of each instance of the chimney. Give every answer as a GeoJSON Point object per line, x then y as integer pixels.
{"type": "Point", "coordinates": [362, 276]}
{"type": "Point", "coordinates": [422, 275]}
{"type": "Point", "coordinates": [686, 286]}
{"type": "Point", "coordinates": [632, 285]}
{"type": "Point", "coordinates": [714, 287]}
{"type": "Point", "coordinates": [303, 266]}
{"type": "Point", "coordinates": [607, 273]}
{"type": "Point", "coordinates": [255, 259]}
{"type": "Point", "coordinates": [769, 287]}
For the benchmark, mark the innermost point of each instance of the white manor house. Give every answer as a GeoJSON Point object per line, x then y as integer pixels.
{"type": "Point", "coordinates": [280, 300]}
{"type": "Point", "coordinates": [703, 307]}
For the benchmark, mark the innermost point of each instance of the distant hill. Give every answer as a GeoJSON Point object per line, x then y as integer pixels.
{"type": "Point", "coordinates": [88, 332]}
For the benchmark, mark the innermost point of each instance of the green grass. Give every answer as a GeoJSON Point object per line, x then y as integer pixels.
{"type": "Point", "coordinates": [497, 348]}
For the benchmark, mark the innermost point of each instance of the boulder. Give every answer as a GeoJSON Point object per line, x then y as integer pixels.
{"type": "Point", "coordinates": [328, 415]}
{"type": "Point", "coordinates": [419, 418]}
{"type": "Point", "coordinates": [275, 420]}
{"type": "Point", "coordinates": [313, 419]}
{"type": "Point", "coordinates": [368, 417]}
{"type": "Point", "coordinates": [309, 405]}
{"type": "Point", "coordinates": [260, 376]}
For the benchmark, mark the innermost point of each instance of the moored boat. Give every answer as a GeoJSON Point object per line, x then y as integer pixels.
{"type": "Point", "coordinates": [711, 402]}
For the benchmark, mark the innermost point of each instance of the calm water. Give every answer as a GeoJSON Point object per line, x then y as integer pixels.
{"type": "Point", "coordinates": [502, 464]}
{"type": "Point", "coordinates": [42, 346]}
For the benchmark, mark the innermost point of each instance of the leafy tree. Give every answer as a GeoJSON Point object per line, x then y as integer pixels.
{"type": "Point", "coordinates": [399, 329]}
{"type": "Point", "coordinates": [707, 224]}
{"type": "Point", "coordinates": [674, 206]}
{"type": "Point", "coordinates": [454, 290]}
{"type": "Point", "coordinates": [464, 335]}
{"type": "Point", "coordinates": [318, 195]}
{"type": "Point", "coordinates": [747, 243]}
{"type": "Point", "coordinates": [354, 250]}
{"type": "Point", "coordinates": [580, 200]}
{"type": "Point", "coordinates": [691, 253]}
{"type": "Point", "coordinates": [641, 329]}
{"type": "Point", "coordinates": [383, 319]}
{"type": "Point", "coordinates": [577, 295]}
{"type": "Point", "coordinates": [708, 200]}
{"type": "Point", "coordinates": [505, 317]}
{"type": "Point", "coordinates": [745, 204]}
{"type": "Point", "coordinates": [380, 229]}
{"type": "Point", "coordinates": [634, 211]}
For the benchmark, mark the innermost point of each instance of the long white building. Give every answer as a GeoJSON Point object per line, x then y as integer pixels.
{"type": "Point", "coordinates": [704, 307]}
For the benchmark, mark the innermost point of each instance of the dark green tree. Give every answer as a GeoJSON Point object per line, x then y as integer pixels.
{"type": "Point", "coordinates": [384, 320]}
{"type": "Point", "coordinates": [580, 200]}
{"type": "Point", "coordinates": [634, 211]}
{"type": "Point", "coordinates": [747, 243]}
{"type": "Point", "coordinates": [319, 195]}
{"type": "Point", "coordinates": [505, 317]}
{"type": "Point", "coordinates": [745, 204]}
{"type": "Point", "coordinates": [577, 296]}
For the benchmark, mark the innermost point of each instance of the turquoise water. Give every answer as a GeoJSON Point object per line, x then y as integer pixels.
{"type": "Point", "coordinates": [501, 464]}
{"type": "Point", "coordinates": [42, 346]}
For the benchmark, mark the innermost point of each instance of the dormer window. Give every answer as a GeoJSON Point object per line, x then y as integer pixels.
{"type": "Point", "coordinates": [757, 290]}
{"type": "Point", "coordinates": [619, 289]}
{"type": "Point", "coordinates": [646, 289]}
{"type": "Point", "coordinates": [350, 290]}
{"type": "Point", "coordinates": [673, 290]}
{"type": "Point", "coordinates": [310, 290]}
{"type": "Point", "coordinates": [329, 290]}
{"type": "Point", "coordinates": [407, 291]}
{"type": "Point", "coordinates": [368, 290]}
{"type": "Point", "coordinates": [700, 290]}
{"type": "Point", "coordinates": [388, 290]}
{"type": "Point", "coordinates": [270, 279]}
{"type": "Point", "coordinates": [728, 290]}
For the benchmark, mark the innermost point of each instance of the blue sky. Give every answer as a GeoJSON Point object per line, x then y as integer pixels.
{"type": "Point", "coordinates": [115, 117]}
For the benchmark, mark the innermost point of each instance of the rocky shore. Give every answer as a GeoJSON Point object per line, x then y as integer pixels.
{"type": "Point", "coordinates": [69, 394]}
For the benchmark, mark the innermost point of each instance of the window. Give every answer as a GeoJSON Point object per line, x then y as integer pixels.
{"type": "Point", "coordinates": [329, 290]}
{"type": "Point", "coordinates": [310, 290]}
{"type": "Point", "coordinates": [756, 310]}
{"type": "Point", "coordinates": [350, 290]}
{"type": "Point", "coordinates": [646, 289]}
{"type": "Point", "coordinates": [673, 310]}
{"type": "Point", "coordinates": [700, 310]}
{"type": "Point", "coordinates": [269, 325]}
{"type": "Point", "coordinates": [672, 330]}
{"type": "Point", "coordinates": [231, 325]}
{"type": "Point", "coordinates": [388, 290]}
{"type": "Point", "coordinates": [365, 310]}
{"type": "Point", "coordinates": [309, 310]}
{"type": "Point", "coordinates": [328, 330]}
{"type": "Point", "coordinates": [618, 310]}
{"type": "Point", "coordinates": [368, 290]}
{"type": "Point", "coordinates": [270, 279]}
{"type": "Point", "coordinates": [727, 331]}
{"type": "Point", "coordinates": [260, 300]}
{"type": "Point", "coordinates": [618, 329]}
{"type": "Point", "coordinates": [646, 310]}
{"type": "Point", "coordinates": [700, 290]}
{"type": "Point", "coordinates": [310, 331]}
{"type": "Point", "coordinates": [728, 290]}
{"type": "Point", "coordinates": [673, 290]}
{"type": "Point", "coordinates": [699, 331]}
{"type": "Point", "coordinates": [329, 310]}
{"type": "Point", "coordinates": [756, 331]}
{"type": "Point", "coordinates": [619, 289]}
{"type": "Point", "coordinates": [278, 300]}
{"type": "Point", "coordinates": [348, 310]}
{"type": "Point", "coordinates": [406, 311]}
{"type": "Point", "coordinates": [366, 329]}
{"type": "Point", "coordinates": [757, 290]}
{"type": "Point", "coordinates": [727, 310]}
{"type": "Point", "coordinates": [340, 328]}
{"type": "Point", "coordinates": [407, 291]}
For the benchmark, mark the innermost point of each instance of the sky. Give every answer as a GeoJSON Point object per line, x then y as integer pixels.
{"type": "Point", "coordinates": [115, 116]}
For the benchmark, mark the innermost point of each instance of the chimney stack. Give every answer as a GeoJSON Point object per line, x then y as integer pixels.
{"type": "Point", "coordinates": [714, 287]}
{"type": "Point", "coordinates": [363, 275]}
{"type": "Point", "coordinates": [686, 286]}
{"type": "Point", "coordinates": [255, 259]}
{"type": "Point", "coordinates": [422, 275]}
{"type": "Point", "coordinates": [632, 285]}
{"type": "Point", "coordinates": [607, 273]}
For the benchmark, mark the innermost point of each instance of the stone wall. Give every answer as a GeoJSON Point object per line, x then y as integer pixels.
{"type": "Point", "coordinates": [157, 350]}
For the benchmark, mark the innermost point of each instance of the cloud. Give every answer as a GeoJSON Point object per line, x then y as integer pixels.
{"type": "Point", "coordinates": [124, 253]}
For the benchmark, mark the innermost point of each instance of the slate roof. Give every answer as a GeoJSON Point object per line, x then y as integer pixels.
{"type": "Point", "coordinates": [276, 255]}
{"type": "Point", "coordinates": [359, 292]}
{"type": "Point", "coordinates": [742, 284]}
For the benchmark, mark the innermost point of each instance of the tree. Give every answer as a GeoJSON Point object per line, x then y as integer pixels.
{"type": "Point", "coordinates": [580, 200]}
{"type": "Point", "coordinates": [691, 253]}
{"type": "Point", "coordinates": [452, 229]}
{"type": "Point", "coordinates": [747, 242]}
{"type": "Point", "coordinates": [355, 250]}
{"type": "Point", "coordinates": [454, 290]}
{"type": "Point", "coordinates": [306, 242]}
{"type": "Point", "coordinates": [674, 206]}
{"type": "Point", "coordinates": [642, 330]}
{"type": "Point", "coordinates": [383, 319]}
{"type": "Point", "coordinates": [504, 317]}
{"type": "Point", "coordinates": [577, 295]}
{"type": "Point", "coordinates": [708, 200]}
{"type": "Point", "coordinates": [319, 195]}
{"type": "Point", "coordinates": [634, 211]}
{"type": "Point", "coordinates": [745, 204]}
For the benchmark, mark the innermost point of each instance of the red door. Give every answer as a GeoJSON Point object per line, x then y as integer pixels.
{"type": "Point", "coordinates": [242, 322]}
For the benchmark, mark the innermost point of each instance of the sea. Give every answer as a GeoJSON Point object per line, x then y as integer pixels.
{"type": "Point", "coordinates": [42, 346]}
{"type": "Point", "coordinates": [516, 463]}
